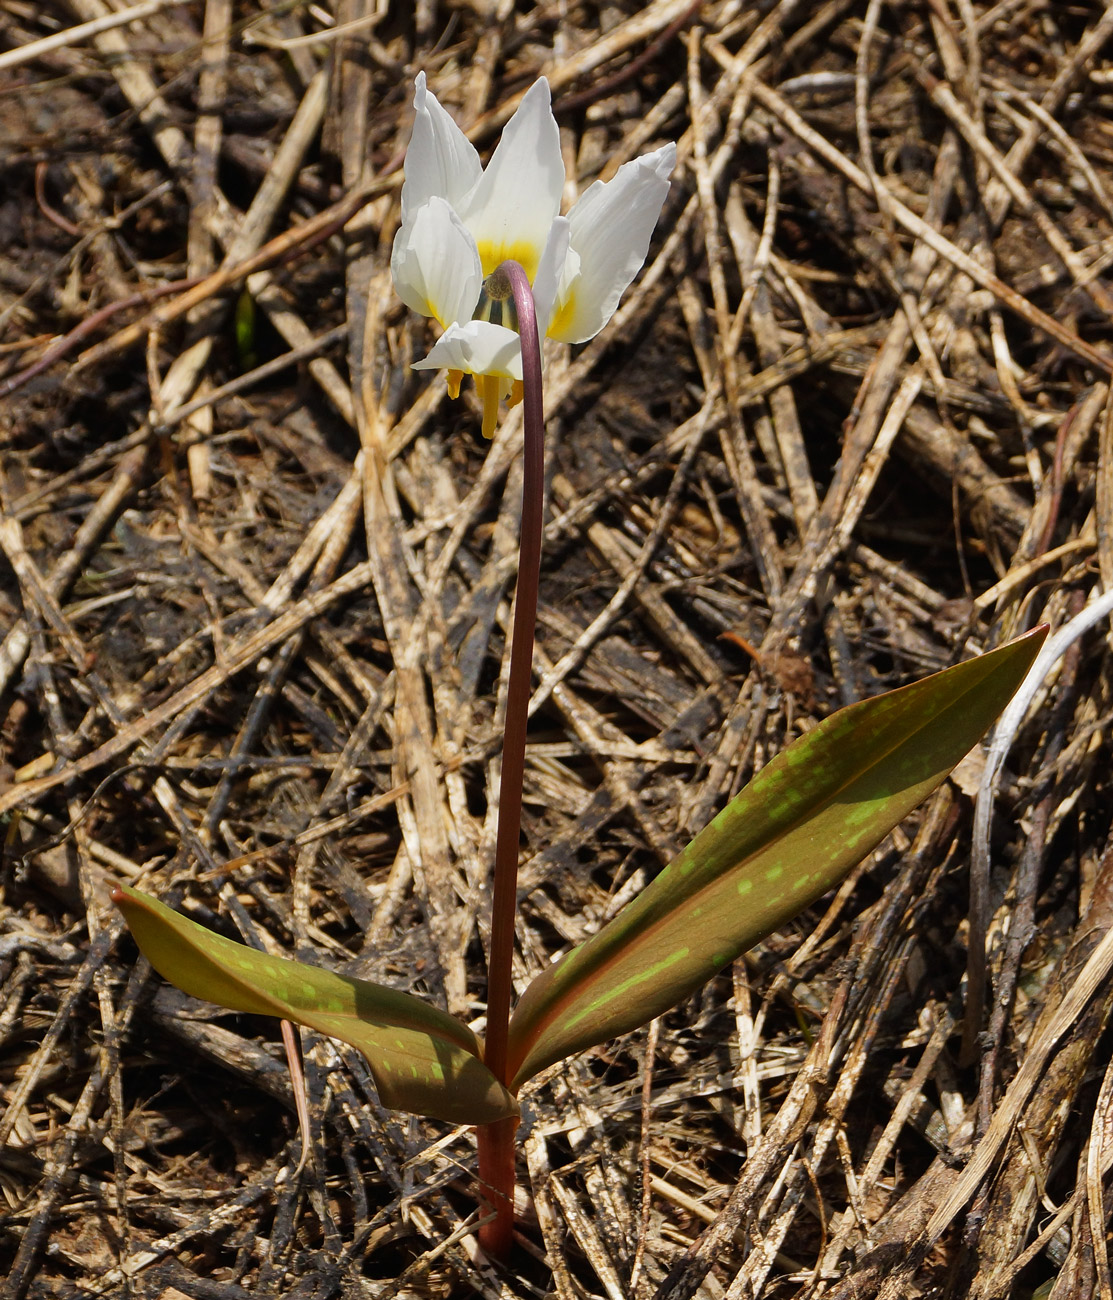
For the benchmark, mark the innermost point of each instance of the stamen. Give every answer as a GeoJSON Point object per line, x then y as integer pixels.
{"type": "Point", "coordinates": [454, 378]}
{"type": "Point", "coordinates": [488, 386]}
{"type": "Point", "coordinates": [516, 391]}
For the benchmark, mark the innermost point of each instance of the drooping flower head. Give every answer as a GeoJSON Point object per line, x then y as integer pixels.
{"type": "Point", "coordinates": [461, 220]}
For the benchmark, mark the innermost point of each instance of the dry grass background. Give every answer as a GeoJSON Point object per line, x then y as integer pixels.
{"type": "Point", "coordinates": [850, 425]}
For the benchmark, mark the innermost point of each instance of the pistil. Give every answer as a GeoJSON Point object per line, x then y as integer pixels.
{"type": "Point", "coordinates": [496, 301]}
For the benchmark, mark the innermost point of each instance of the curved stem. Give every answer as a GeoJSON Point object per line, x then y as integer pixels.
{"type": "Point", "coordinates": [505, 892]}
{"type": "Point", "coordinates": [496, 1141]}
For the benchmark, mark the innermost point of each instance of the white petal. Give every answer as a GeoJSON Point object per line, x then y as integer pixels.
{"type": "Point", "coordinates": [440, 158]}
{"type": "Point", "coordinates": [435, 264]}
{"type": "Point", "coordinates": [477, 347]}
{"type": "Point", "coordinates": [611, 227]}
{"type": "Point", "coordinates": [512, 207]}
{"type": "Point", "coordinates": [550, 273]}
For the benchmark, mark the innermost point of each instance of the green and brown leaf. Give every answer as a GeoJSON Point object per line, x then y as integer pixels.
{"type": "Point", "coordinates": [423, 1059]}
{"type": "Point", "coordinates": [792, 834]}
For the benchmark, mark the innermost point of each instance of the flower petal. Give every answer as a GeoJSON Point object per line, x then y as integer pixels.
{"type": "Point", "coordinates": [435, 264]}
{"type": "Point", "coordinates": [513, 205]}
{"type": "Point", "coordinates": [478, 347]}
{"type": "Point", "coordinates": [551, 272]}
{"type": "Point", "coordinates": [440, 158]}
{"type": "Point", "coordinates": [610, 227]}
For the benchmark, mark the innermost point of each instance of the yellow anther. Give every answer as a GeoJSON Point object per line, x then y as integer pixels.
{"type": "Point", "coordinates": [488, 386]}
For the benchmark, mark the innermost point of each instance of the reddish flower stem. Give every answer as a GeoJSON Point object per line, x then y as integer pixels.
{"type": "Point", "coordinates": [496, 1141]}
{"type": "Point", "coordinates": [496, 1179]}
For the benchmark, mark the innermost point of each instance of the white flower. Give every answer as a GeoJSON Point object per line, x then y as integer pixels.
{"type": "Point", "coordinates": [460, 221]}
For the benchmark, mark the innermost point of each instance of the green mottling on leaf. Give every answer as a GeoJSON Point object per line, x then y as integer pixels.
{"type": "Point", "coordinates": [865, 812]}
{"type": "Point", "coordinates": [775, 873]}
{"type": "Point", "coordinates": [617, 991]}
{"type": "Point", "coordinates": [422, 1059]}
{"type": "Point", "coordinates": [745, 885]}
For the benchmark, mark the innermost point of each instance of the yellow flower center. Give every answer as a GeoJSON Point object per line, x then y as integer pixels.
{"type": "Point", "coordinates": [563, 315]}
{"type": "Point", "coordinates": [491, 255]}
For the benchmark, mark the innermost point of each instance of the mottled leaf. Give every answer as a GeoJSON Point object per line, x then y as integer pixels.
{"type": "Point", "coordinates": [423, 1059]}
{"type": "Point", "coordinates": [792, 834]}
